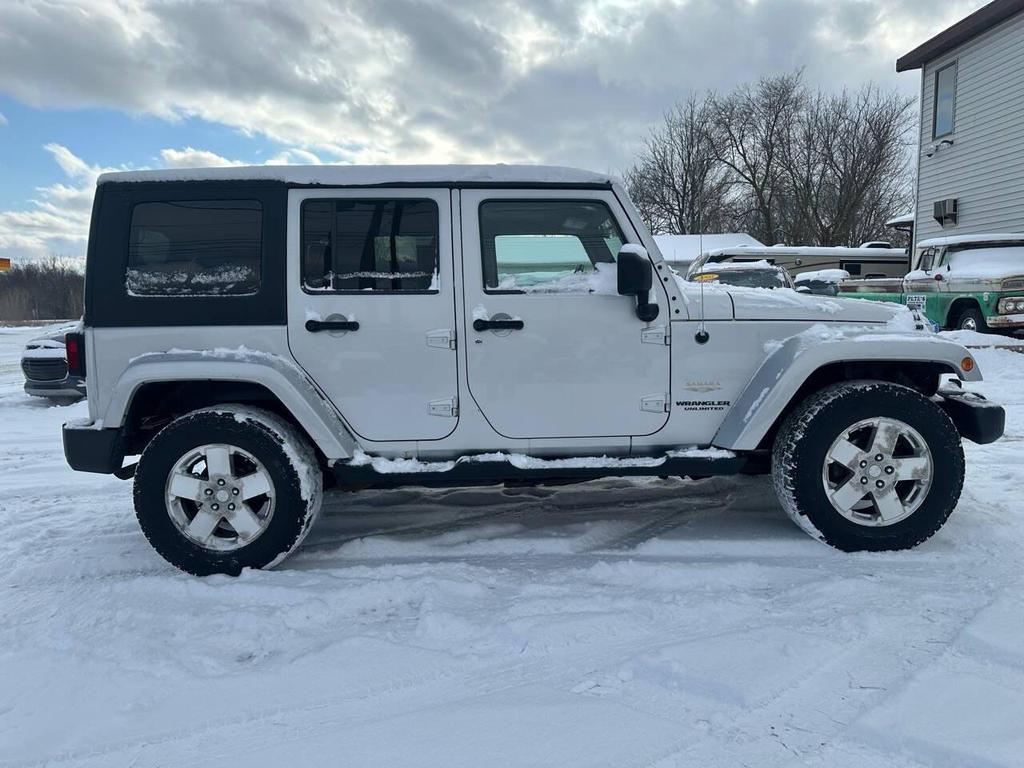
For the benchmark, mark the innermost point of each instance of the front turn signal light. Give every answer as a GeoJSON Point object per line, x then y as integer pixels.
{"type": "Point", "coordinates": [967, 364]}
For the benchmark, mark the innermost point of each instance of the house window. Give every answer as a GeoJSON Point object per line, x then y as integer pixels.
{"type": "Point", "coordinates": [945, 101]}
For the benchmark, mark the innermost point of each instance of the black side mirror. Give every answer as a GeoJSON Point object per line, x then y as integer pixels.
{"type": "Point", "coordinates": [635, 276]}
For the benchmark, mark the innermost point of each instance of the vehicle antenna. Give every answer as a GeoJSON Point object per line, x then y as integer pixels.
{"type": "Point", "coordinates": [702, 331]}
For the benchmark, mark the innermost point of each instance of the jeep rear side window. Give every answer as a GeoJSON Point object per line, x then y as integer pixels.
{"type": "Point", "coordinates": [548, 246]}
{"type": "Point", "coordinates": [195, 248]}
{"type": "Point", "coordinates": [381, 246]}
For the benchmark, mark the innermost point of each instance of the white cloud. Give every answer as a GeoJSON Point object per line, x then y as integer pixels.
{"type": "Point", "coordinates": [572, 81]}
{"type": "Point", "coordinates": [3, 120]}
{"type": "Point", "coordinates": [56, 221]}
{"type": "Point", "coordinates": [190, 157]}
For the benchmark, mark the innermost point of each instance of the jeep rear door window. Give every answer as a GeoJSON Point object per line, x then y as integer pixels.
{"type": "Point", "coordinates": [195, 248]}
{"type": "Point", "coordinates": [369, 245]}
{"type": "Point", "coordinates": [548, 246]}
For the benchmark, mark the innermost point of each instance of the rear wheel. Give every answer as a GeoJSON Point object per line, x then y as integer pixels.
{"type": "Point", "coordinates": [226, 488]}
{"type": "Point", "coordinates": [868, 466]}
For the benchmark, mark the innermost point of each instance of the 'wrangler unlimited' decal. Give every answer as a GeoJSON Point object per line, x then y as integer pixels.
{"type": "Point", "coordinates": [703, 405]}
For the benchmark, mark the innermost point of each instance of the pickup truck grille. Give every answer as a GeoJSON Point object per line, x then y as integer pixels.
{"type": "Point", "coordinates": [53, 369]}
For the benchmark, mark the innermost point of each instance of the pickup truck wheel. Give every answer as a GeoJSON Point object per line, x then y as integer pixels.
{"type": "Point", "coordinates": [868, 466]}
{"type": "Point", "coordinates": [971, 319]}
{"type": "Point", "coordinates": [226, 488]}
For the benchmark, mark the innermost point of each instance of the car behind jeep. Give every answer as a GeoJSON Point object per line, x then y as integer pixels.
{"type": "Point", "coordinates": [254, 336]}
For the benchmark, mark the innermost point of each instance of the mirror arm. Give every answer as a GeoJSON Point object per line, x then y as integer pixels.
{"type": "Point", "coordinates": [645, 310]}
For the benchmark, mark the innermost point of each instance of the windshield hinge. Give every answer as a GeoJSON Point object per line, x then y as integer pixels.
{"type": "Point", "coordinates": [654, 403]}
{"type": "Point", "coordinates": [657, 334]}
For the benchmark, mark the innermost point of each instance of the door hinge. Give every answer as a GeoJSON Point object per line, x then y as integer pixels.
{"type": "Point", "coordinates": [442, 339]}
{"type": "Point", "coordinates": [657, 334]}
{"type": "Point", "coordinates": [447, 407]}
{"type": "Point", "coordinates": [654, 403]}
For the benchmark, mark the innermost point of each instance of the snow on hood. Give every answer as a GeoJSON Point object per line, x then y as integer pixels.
{"type": "Point", "coordinates": [787, 304]}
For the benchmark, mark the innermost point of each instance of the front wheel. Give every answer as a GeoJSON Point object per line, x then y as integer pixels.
{"type": "Point", "coordinates": [971, 319]}
{"type": "Point", "coordinates": [868, 466]}
{"type": "Point", "coordinates": [226, 488]}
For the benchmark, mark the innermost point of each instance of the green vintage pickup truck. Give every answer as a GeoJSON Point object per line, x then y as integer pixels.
{"type": "Point", "coordinates": [965, 282]}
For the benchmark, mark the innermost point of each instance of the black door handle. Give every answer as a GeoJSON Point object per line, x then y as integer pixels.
{"type": "Point", "coordinates": [497, 325]}
{"type": "Point", "coordinates": [313, 326]}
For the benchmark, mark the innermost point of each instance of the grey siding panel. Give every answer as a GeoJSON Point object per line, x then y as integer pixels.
{"type": "Point", "coordinates": [984, 169]}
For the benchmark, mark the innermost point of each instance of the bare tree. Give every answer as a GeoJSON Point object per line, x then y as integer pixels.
{"type": "Point", "coordinates": [751, 127]}
{"type": "Point", "coordinates": [46, 290]}
{"type": "Point", "coordinates": [677, 183]}
{"type": "Point", "coordinates": [780, 162]}
{"type": "Point", "coordinates": [846, 166]}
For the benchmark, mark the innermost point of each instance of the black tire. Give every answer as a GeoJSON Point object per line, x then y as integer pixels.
{"type": "Point", "coordinates": [284, 452]}
{"type": "Point", "coordinates": [971, 319]}
{"type": "Point", "coordinates": [808, 433]}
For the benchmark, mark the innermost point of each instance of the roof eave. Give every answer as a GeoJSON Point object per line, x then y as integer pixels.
{"type": "Point", "coordinates": [979, 22]}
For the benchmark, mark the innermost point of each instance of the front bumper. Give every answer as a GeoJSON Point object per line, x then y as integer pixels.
{"type": "Point", "coordinates": [88, 449]}
{"type": "Point", "coordinates": [69, 386]}
{"type": "Point", "coordinates": [976, 419]}
{"type": "Point", "coordinates": [1005, 322]}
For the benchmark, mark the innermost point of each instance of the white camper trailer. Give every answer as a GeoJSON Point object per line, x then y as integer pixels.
{"type": "Point", "coordinates": [858, 262]}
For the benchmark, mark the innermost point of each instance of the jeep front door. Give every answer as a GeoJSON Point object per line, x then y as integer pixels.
{"type": "Point", "coordinates": [552, 350]}
{"type": "Point", "coordinates": [371, 307]}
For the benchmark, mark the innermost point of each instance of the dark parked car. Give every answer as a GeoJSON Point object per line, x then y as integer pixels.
{"type": "Point", "coordinates": [45, 365]}
{"type": "Point", "coordinates": [746, 274]}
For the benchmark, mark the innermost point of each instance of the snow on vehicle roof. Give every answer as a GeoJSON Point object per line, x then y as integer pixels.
{"type": "Point", "coordinates": [824, 275]}
{"type": "Point", "coordinates": [999, 237]}
{"type": "Point", "coordinates": [369, 175]}
{"type": "Point", "coordinates": [774, 251]}
{"type": "Point", "coordinates": [736, 266]}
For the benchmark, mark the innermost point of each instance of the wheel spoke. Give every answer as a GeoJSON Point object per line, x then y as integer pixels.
{"type": "Point", "coordinates": [245, 523]}
{"type": "Point", "coordinates": [886, 435]}
{"type": "Point", "coordinates": [911, 466]}
{"type": "Point", "coordinates": [256, 484]}
{"type": "Point", "coordinates": [888, 504]}
{"type": "Point", "coordinates": [848, 494]}
{"type": "Point", "coordinates": [845, 452]}
{"type": "Point", "coordinates": [203, 525]}
{"type": "Point", "coordinates": [218, 461]}
{"type": "Point", "coordinates": [185, 487]}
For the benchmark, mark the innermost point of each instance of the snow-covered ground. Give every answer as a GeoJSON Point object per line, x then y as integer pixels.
{"type": "Point", "coordinates": [617, 623]}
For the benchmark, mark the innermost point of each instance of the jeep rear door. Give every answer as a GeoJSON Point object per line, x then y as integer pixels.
{"type": "Point", "coordinates": [552, 350]}
{"type": "Point", "coordinates": [371, 306]}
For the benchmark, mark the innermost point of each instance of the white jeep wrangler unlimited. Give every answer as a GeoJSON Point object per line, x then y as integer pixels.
{"type": "Point", "coordinates": [256, 335]}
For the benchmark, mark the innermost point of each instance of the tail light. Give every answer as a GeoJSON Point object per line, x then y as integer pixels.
{"type": "Point", "coordinates": [74, 348]}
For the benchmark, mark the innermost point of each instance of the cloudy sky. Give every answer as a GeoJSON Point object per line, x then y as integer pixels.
{"type": "Point", "coordinates": [90, 85]}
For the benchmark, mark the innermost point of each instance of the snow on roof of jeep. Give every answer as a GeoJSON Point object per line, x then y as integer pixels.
{"type": "Point", "coordinates": [367, 175]}
{"type": "Point", "coordinates": [999, 237]}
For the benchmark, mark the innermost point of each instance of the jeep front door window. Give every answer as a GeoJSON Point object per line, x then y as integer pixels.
{"type": "Point", "coordinates": [548, 246]}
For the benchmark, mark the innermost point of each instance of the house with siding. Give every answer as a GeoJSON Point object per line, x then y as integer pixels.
{"type": "Point", "coordinates": [970, 164]}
